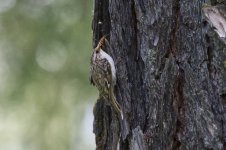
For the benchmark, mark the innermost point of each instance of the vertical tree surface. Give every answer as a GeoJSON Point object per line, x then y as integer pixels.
{"type": "Point", "coordinates": [171, 81]}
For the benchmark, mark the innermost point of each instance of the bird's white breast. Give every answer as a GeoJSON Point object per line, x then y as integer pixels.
{"type": "Point", "coordinates": [111, 61]}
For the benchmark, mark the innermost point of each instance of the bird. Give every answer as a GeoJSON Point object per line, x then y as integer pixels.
{"type": "Point", "coordinates": [216, 16]}
{"type": "Point", "coordinates": [103, 74]}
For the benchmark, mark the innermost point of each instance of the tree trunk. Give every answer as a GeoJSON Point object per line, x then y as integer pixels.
{"type": "Point", "coordinates": [171, 80]}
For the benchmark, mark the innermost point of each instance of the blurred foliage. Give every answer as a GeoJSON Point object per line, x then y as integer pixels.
{"type": "Point", "coordinates": [45, 96]}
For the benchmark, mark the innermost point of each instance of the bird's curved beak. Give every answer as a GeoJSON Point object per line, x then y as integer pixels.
{"type": "Point", "coordinates": [101, 42]}
{"type": "Point", "coordinates": [97, 49]}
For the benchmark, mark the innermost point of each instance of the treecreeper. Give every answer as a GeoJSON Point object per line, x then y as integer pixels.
{"type": "Point", "coordinates": [103, 75]}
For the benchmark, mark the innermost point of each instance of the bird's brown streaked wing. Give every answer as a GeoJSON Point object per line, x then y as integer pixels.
{"type": "Point", "coordinates": [103, 68]}
{"type": "Point", "coordinates": [106, 68]}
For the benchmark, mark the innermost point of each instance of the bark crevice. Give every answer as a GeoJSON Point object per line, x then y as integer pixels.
{"type": "Point", "coordinates": [178, 96]}
{"type": "Point", "coordinates": [178, 105]}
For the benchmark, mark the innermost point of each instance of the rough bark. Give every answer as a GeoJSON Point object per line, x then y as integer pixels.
{"type": "Point", "coordinates": [171, 80]}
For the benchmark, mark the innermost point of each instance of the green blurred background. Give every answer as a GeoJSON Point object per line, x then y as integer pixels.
{"type": "Point", "coordinates": [46, 101]}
